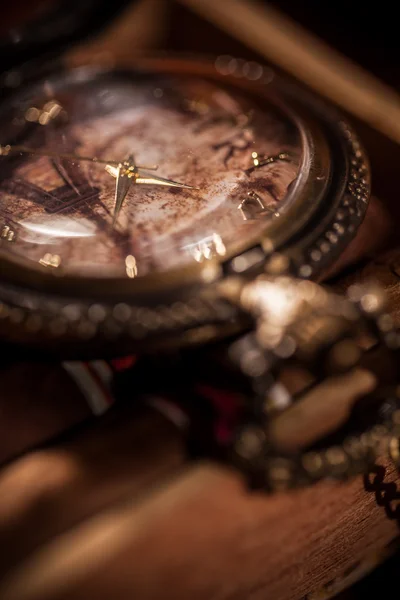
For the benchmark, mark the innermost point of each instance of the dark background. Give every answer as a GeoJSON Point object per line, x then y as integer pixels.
{"type": "Point", "coordinates": [366, 32]}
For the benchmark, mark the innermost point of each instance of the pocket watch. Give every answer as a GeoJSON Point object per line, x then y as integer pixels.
{"type": "Point", "coordinates": [130, 195]}
{"type": "Point", "coordinates": [167, 202]}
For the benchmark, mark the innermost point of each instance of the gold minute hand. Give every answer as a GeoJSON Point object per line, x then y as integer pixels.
{"type": "Point", "coordinates": [149, 179]}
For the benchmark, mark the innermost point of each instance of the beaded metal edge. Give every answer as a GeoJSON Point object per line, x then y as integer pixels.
{"type": "Point", "coordinates": [349, 214]}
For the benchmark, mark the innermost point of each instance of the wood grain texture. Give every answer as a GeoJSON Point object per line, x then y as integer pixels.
{"type": "Point", "coordinates": [203, 536]}
{"type": "Point", "coordinates": [50, 490]}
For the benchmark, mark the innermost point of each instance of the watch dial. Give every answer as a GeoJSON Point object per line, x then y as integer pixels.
{"type": "Point", "coordinates": [225, 162]}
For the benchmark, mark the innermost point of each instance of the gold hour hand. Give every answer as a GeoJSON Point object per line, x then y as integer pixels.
{"type": "Point", "coordinates": [122, 185]}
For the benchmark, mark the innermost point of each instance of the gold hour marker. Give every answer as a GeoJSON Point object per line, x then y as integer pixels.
{"type": "Point", "coordinates": [207, 248]}
{"type": "Point", "coordinates": [50, 260]}
{"type": "Point", "coordinates": [253, 207]}
{"type": "Point", "coordinates": [7, 233]}
{"type": "Point", "coordinates": [44, 115]}
{"type": "Point", "coordinates": [261, 161]}
{"type": "Point", "coordinates": [131, 266]}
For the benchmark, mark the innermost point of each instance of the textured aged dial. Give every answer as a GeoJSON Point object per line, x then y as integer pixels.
{"type": "Point", "coordinates": [224, 165]}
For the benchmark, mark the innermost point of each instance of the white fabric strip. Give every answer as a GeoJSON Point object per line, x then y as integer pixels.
{"type": "Point", "coordinates": [95, 390]}
{"type": "Point", "coordinates": [94, 381]}
{"type": "Point", "coordinates": [103, 370]}
{"type": "Point", "coordinates": [170, 411]}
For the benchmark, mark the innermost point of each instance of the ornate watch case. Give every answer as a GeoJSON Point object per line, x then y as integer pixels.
{"type": "Point", "coordinates": [100, 252]}
{"type": "Point", "coordinates": [133, 191]}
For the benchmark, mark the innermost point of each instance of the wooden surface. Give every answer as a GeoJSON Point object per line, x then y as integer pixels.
{"type": "Point", "coordinates": [115, 513]}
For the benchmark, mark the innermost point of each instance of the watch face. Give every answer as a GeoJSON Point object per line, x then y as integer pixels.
{"type": "Point", "coordinates": [123, 174]}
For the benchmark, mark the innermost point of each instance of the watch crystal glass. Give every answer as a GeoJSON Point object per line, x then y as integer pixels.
{"type": "Point", "coordinates": [115, 174]}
